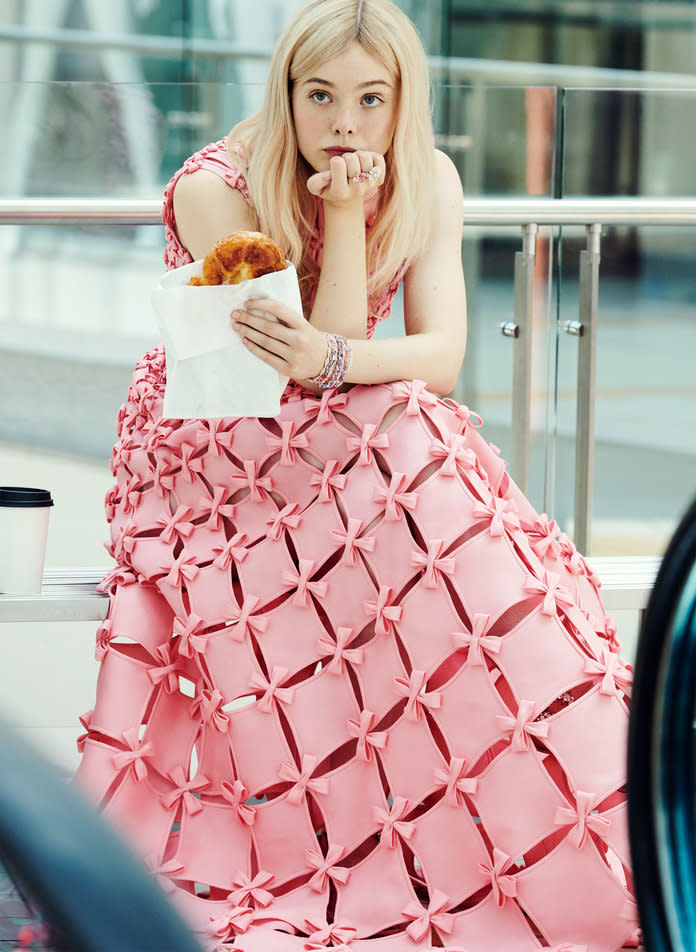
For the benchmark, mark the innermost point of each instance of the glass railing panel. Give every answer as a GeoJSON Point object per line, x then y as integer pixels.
{"type": "Point", "coordinates": [645, 449]}
{"type": "Point", "coordinates": [503, 141]}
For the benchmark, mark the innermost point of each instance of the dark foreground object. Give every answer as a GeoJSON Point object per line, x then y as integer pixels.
{"type": "Point", "coordinates": [661, 765]}
{"type": "Point", "coordinates": [85, 882]}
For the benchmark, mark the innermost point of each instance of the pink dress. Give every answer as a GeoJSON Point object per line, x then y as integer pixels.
{"type": "Point", "coordinates": [355, 693]}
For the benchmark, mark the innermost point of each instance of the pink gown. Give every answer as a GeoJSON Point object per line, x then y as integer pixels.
{"type": "Point", "coordinates": [355, 693]}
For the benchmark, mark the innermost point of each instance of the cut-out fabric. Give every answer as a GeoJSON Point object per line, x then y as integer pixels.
{"type": "Point", "coordinates": [355, 693]}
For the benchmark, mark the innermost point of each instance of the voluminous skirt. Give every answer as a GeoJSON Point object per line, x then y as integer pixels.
{"type": "Point", "coordinates": [354, 691]}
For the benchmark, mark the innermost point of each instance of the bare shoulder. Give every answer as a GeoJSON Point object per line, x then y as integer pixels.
{"type": "Point", "coordinates": [449, 197]}
{"type": "Point", "coordinates": [206, 208]}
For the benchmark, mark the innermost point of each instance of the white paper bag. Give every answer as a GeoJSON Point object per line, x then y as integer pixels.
{"type": "Point", "coordinates": [210, 373]}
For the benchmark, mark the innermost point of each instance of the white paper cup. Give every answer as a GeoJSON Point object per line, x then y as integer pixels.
{"type": "Point", "coordinates": [24, 516]}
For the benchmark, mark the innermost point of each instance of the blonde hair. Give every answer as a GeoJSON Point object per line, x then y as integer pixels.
{"type": "Point", "coordinates": [320, 31]}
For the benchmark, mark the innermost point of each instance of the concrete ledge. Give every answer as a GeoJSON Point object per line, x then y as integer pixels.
{"type": "Point", "coordinates": [71, 594]}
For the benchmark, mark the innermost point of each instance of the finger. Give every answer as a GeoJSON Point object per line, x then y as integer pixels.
{"type": "Point", "coordinates": [268, 334]}
{"type": "Point", "coordinates": [278, 311]}
{"type": "Point", "coordinates": [352, 163]}
{"type": "Point", "coordinates": [266, 356]}
{"type": "Point", "coordinates": [366, 161]}
{"type": "Point", "coordinates": [319, 182]}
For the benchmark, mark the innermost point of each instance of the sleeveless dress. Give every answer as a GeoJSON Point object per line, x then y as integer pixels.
{"type": "Point", "coordinates": [355, 693]}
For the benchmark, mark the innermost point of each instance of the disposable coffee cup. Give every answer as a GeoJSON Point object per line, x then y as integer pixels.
{"type": "Point", "coordinates": [24, 516]}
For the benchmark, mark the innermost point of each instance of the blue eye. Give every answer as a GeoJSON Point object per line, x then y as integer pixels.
{"type": "Point", "coordinates": [317, 95]}
{"type": "Point", "coordinates": [374, 100]}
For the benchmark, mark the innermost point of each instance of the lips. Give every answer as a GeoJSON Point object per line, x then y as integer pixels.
{"type": "Point", "coordinates": [337, 150]}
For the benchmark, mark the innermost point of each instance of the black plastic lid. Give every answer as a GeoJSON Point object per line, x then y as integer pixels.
{"type": "Point", "coordinates": [23, 497]}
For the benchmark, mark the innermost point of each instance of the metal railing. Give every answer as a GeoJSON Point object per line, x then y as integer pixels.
{"type": "Point", "coordinates": [526, 213]}
{"type": "Point", "coordinates": [457, 69]}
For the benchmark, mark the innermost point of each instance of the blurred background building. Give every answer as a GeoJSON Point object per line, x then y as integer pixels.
{"type": "Point", "coordinates": [553, 98]}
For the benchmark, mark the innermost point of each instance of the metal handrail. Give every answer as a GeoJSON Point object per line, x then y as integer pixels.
{"type": "Point", "coordinates": [527, 213]}
{"type": "Point", "coordinates": [477, 211]}
{"type": "Point", "coordinates": [446, 69]}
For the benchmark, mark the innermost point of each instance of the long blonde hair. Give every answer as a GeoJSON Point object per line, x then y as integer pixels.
{"type": "Point", "coordinates": [277, 176]}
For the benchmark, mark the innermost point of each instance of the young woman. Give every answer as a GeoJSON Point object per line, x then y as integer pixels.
{"type": "Point", "coordinates": [354, 691]}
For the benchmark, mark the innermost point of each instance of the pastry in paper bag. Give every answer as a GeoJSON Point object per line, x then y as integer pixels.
{"type": "Point", "coordinates": [210, 373]}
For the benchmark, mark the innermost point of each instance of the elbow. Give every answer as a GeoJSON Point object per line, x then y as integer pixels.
{"type": "Point", "coordinates": [449, 369]}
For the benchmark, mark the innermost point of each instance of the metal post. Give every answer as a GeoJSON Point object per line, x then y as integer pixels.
{"type": "Point", "coordinates": [522, 358]}
{"type": "Point", "coordinates": [586, 331]}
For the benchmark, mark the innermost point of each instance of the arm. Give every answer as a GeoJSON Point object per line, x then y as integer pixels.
{"type": "Point", "coordinates": [207, 209]}
{"type": "Point", "coordinates": [434, 304]}
{"type": "Point", "coordinates": [434, 311]}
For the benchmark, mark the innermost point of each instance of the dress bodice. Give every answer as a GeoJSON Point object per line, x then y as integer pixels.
{"type": "Point", "coordinates": [215, 158]}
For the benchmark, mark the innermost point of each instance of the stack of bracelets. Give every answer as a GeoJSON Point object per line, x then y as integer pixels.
{"type": "Point", "coordinates": [336, 365]}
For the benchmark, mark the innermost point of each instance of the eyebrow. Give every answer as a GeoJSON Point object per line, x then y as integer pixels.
{"type": "Point", "coordinates": [326, 82]}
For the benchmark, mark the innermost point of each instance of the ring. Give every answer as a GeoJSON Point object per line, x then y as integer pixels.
{"type": "Point", "coordinates": [372, 176]}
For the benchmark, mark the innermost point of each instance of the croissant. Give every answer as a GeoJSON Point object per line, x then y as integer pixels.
{"type": "Point", "coordinates": [239, 257]}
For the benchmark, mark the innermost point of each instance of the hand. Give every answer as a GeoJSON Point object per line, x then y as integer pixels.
{"type": "Point", "coordinates": [338, 186]}
{"type": "Point", "coordinates": [281, 338]}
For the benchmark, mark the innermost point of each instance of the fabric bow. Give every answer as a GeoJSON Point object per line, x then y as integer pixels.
{"type": "Point", "coordinates": [351, 542]}
{"type": "Point", "coordinates": [504, 887]}
{"type": "Point", "coordinates": [325, 409]}
{"type": "Point", "coordinates": [191, 635]}
{"type": "Point", "coordinates": [184, 790]}
{"type": "Point", "coordinates": [217, 508]}
{"type": "Point", "coordinates": [237, 794]}
{"type": "Point", "coordinates": [452, 450]}
{"type": "Point", "coordinates": [191, 465]}
{"type": "Point", "coordinates": [523, 726]}
{"type": "Point", "coordinates": [616, 676]}
{"type": "Point", "coordinates": [329, 479]}
{"type": "Point", "coordinates": [416, 696]}
{"type": "Point", "coordinates": [233, 923]}
{"type": "Point", "coordinates": [251, 892]}
{"type": "Point", "coordinates": [543, 536]}
{"type": "Point", "coordinates": [554, 593]}
{"type": "Point", "coordinates": [235, 549]}
{"type": "Point", "coordinates": [184, 566]}
{"type": "Point", "coordinates": [176, 526]}
{"type": "Point", "coordinates": [477, 641]}
{"type": "Point", "coordinates": [325, 867]}
{"type": "Point", "coordinates": [455, 782]}
{"type": "Point", "coordinates": [271, 689]}
{"type": "Point", "coordinates": [240, 620]}
{"type": "Point", "coordinates": [219, 436]}
{"type": "Point", "coordinates": [259, 487]}
{"type": "Point", "coordinates": [433, 562]}
{"type": "Point", "coordinates": [104, 636]}
{"type": "Point", "coordinates": [583, 818]}
{"type": "Point", "coordinates": [167, 670]}
{"type": "Point", "coordinates": [338, 652]}
{"type": "Point", "coordinates": [292, 578]}
{"type": "Point", "coordinates": [423, 919]}
{"type": "Point", "coordinates": [395, 498]}
{"type": "Point", "coordinates": [328, 936]}
{"type": "Point", "coordinates": [418, 396]}
{"type": "Point", "coordinates": [207, 705]}
{"type": "Point", "coordinates": [367, 442]}
{"type": "Point", "coordinates": [288, 443]}
{"type": "Point", "coordinates": [367, 738]}
{"type": "Point", "coordinates": [135, 756]}
{"type": "Point", "coordinates": [383, 611]}
{"type": "Point", "coordinates": [288, 518]}
{"type": "Point", "coordinates": [302, 779]}
{"type": "Point", "coordinates": [501, 515]}
{"type": "Point", "coordinates": [392, 822]}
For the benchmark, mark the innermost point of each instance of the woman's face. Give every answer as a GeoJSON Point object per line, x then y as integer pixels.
{"type": "Point", "coordinates": [349, 103]}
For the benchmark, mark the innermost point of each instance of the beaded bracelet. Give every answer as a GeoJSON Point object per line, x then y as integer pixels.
{"type": "Point", "coordinates": [337, 363]}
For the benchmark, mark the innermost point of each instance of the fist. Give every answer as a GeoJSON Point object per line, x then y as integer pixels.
{"type": "Point", "coordinates": [349, 177]}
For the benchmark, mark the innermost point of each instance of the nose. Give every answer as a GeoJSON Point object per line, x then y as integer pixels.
{"type": "Point", "coordinates": [344, 123]}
